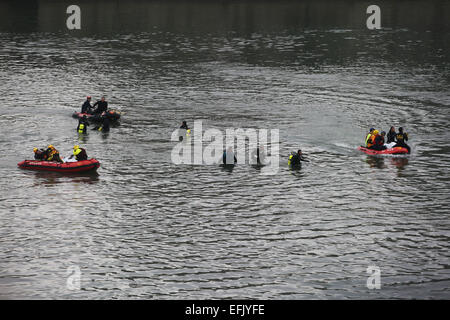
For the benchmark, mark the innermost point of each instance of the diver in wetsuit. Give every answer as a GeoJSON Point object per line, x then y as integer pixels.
{"type": "Point", "coordinates": [86, 107]}
{"type": "Point", "coordinates": [184, 131]}
{"type": "Point", "coordinates": [184, 125]}
{"type": "Point", "coordinates": [296, 158]}
{"type": "Point", "coordinates": [259, 154]}
{"type": "Point", "coordinates": [401, 138]}
{"type": "Point", "coordinates": [391, 135]}
{"type": "Point", "coordinates": [82, 125]}
{"type": "Point", "coordinates": [105, 124]}
{"type": "Point", "coordinates": [228, 157]}
{"type": "Point", "coordinates": [102, 106]}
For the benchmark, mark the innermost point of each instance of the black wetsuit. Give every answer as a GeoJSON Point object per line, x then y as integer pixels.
{"type": "Point", "coordinates": [102, 107]}
{"type": "Point", "coordinates": [105, 124]}
{"type": "Point", "coordinates": [84, 122]}
{"type": "Point", "coordinates": [401, 138]}
{"type": "Point", "coordinates": [86, 107]}
{"type": "Point", "coordinates": [296, 159]}
{"type": "Point", "coordinates": [391, 136]}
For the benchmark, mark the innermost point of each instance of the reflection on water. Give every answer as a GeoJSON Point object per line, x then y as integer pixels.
{"type": "Point", "coordinates": [144, 227]}
{"type": "Point", "coordinates": [44, 177]}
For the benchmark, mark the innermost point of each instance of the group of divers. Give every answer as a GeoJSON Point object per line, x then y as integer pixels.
{"type": "Point", "coordinates": [229, 157]}
{"type": "Point", "coordinates": [99, 108]}
{"type": "Point", "coordinates": [374, 140]}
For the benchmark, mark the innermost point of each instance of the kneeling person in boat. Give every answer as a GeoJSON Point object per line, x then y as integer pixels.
{"type": "Point", "coordinates": [79, 153]}
{"type": "Point", "coordinates": [53, 154]}
{"type": "Point", "coordinates": [378, 142]}
{"type": "Point", "coordinates": [40, 154]}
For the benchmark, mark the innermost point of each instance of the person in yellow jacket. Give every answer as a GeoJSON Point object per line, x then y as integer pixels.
{"type": "Point", "coordinates": [79, 153]}
{"type": "Point", "coordinates": [53, 154]}
{"type": "Point", "coordinates": [369, 135]}
{"type": "Point", "coordinates": [371, 140]}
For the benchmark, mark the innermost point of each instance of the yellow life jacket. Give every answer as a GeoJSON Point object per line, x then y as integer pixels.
{"type": "Point", "coordinates": [81, 128]}
{"type": "Point", "coordinates": [368, 137]}
{"type": "Point", "coordinates": [371, 141]}
{"type": "Point", "coordinates": [76, 151]}
{"type": "Point", "coordinates": [289, 161]}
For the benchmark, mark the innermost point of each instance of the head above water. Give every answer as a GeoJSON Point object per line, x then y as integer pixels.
{"type": "Point", "coordinates": [299, 151]}
{"type": "Point", "coordinates": [400, 129]}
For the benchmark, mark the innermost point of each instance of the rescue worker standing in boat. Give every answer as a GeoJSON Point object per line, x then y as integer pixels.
{"type": "Point", "coordinates": [86, 107]}
{"type": "Point", "coordinates": [102, 106]}
{"type": "Point", "coordinates": [401, 138]}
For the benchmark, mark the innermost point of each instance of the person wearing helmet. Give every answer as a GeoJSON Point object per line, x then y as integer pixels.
{"type": "Point", "coordinates": [53, 154]}
{"type": "Point", "coordinates": [378, 143]}
{"type": "Point", "coordinates": [86, 107]}
{"type": "Point", "coordinates": [369, 135]}
{"type": "Point", "coordinates": [401, 138]}
{"type": "Point", "coordinates": [102, 106]}
{"type": "Point", "coordinates": [79, 153]}
{"type": "Point", "coordinates": [371, 140]}
{"type": "Point", "coordinates": [39, 154]}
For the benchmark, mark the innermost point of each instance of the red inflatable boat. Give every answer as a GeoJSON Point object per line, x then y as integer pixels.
{"type": "Point", "coordinates": [396, 150]}
{"type": "Point", "coordinates": [113, 115]}
{"type": "Point", "coordinates": [68, 167]}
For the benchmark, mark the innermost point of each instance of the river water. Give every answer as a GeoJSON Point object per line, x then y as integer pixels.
{"type": "Point", "coordinates": [146, 228]}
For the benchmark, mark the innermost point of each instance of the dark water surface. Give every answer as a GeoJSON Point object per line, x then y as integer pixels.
{"type": "Point", "coordinates": [146, 228]}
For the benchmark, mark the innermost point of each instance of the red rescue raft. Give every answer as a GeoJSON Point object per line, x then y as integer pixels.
{"type": "Point", "coordinates": [113, 115]}
{"type": "Point", "coordinates": [68, 167]}
{"type": "Point", "coordinates": [395, 150]}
